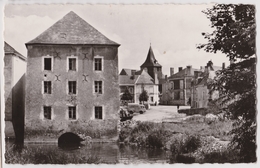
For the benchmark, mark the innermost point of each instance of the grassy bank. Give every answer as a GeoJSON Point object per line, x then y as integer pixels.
{"type": "Point", "coordinates": [14, 155]}
{"type": "Point", "coordinates": [188, 142]}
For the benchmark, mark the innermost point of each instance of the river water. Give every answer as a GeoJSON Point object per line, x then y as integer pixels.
{"type": "Point", "coordinates": [110, 153]}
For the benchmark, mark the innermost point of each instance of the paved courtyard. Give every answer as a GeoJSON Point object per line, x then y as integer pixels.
{"type": "Point", "coordinates": [161, 114]}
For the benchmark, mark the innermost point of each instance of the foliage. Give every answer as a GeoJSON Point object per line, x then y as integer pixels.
{"type": "Point", "coordinates": [186, 144]}
{"type": "Point", "coordinates": [234, 35]}
{"type": "Point", "coordinates": [41, 156]}
{"type": "Point", "coordinates": [147, 134]}
{"type": "Point", "coordinates": [143, 96]}
{"type": "Point", "coordinates": [127, 95]}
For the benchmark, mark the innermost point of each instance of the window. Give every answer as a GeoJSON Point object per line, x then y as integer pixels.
{"type": "Point", "coordinates": [47, 87]}
{"type": "Point", "coordinates": [98, 87]}
{"type": "Point", "coordinates": [47, 112]}
{"type": "Point", "coordinates": [176, 84]}
{"type": "Point", "coordinates": [72, 64]}
{"type": "Point", "coordinates": [98, 112]}
{"type": "Point", "coordinates": [72, 112]}
{"type": "Point", "coordinates": [47, 64]}
{"type": "Point", "coordinates": [98, 64]}
{"type": "Point", "coordinates": [151, 99]}
{"type": "Point", "coordinates": [72, 87]}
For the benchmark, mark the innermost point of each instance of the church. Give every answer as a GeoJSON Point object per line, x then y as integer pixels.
{"type": "Point", "coordinates": [148, 78]}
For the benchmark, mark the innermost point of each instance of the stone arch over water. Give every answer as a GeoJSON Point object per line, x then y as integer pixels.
{"type": "Point", "coordinates": [69, 139]}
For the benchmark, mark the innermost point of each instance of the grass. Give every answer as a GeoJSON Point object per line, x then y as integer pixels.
{"type": "Point", "coordinates": [217, 129]}
{"type": "Point", "coordinates": [41, 156]}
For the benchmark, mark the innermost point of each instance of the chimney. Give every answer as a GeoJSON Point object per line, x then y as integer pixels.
{"type": "Point", "coordinates": [166, 78]}
{"type": "Point", "coordinates": [201, 67]}
{"type": "Point", "coordinates": [180, 68]}
{"type": "Point", "coordinates": [223, 65]}
{"type": "Point", "coordinates": [188, 72]}
{"type": "Point", "coordinates": [133, 73]}
{"type": "Point", "coordinates": [171, 71]}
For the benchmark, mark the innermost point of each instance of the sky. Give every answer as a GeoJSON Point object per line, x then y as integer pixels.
{"type": "Point", "coordinates": [173, 31]}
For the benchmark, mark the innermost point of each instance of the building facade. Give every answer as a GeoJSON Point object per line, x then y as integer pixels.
{"type": "Point", "coordinates": [14, 71]}
{"type": "Point", "coordinates": [72, 80]}
{"type": "Point", "coordinates": [136, 82]}
{"type": "Point", "coordinates": [200, 94]}
{"type": "Point", "coordinates": [177, 88]}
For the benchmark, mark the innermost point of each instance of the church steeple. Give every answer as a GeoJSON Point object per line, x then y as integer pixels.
{"type": "Point", "coordinates": [150, 60]}
{"type": "Point", "coordinates": [151, 65]}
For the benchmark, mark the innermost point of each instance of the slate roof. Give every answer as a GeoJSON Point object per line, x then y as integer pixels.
{"type": "Point", "coordinates": [150, 60]}
{"type": "Point", "coordinates": [127, 80]}
{"type": "Point", "coordinates": [126, 71]}
{"type": "Point", "coordinates": [145, 78]}
{"type": "Point", "coordinates": [140, 77]}
{"type": "Point", "coordinates": [183, 73]}
{"type": "Point", "coordinates": [72, 29]}
{"type": "Point", "coordinates": [11, 50]}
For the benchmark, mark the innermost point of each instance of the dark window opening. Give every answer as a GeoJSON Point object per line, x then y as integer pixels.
{"type": "Point", "coordinates": [47, 64]}
{"type": "Point", "coordinates": [72, 64]}
{"type": "Point", "coordinates": [176, 84]}
{"type": "Point", "coordinates": [72, 87]}
{"type": "Point", "coordinates": [72, 112]}
{"type": "Point", "coordinates": [98, 112]}
{"type": "Point", "coordinates": [98, 87]}
{"type": "Point", "coordinates": [98, 64]}
{"type": "Point", "coordinates": [47, 87]}
{"type": "Point", "coordinates": [47, 112]}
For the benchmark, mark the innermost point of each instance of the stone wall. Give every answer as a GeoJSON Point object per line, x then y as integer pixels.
{"type": "Point", "coordinates": [59, 100]}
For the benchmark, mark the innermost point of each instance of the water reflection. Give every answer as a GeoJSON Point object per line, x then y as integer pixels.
{"type": "Point", "coordinates": [110, 153]}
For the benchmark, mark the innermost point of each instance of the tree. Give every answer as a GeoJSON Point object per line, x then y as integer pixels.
{"type": "Point", "coordinates": [127, 95]}
{"type": "Point", "coordinates": [234, 35]}
{"type": "Point", "coordinates": [143, 96]}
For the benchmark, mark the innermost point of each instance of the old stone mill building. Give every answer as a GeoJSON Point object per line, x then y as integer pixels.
{"type": "Point", "coordinates": [71, 81]}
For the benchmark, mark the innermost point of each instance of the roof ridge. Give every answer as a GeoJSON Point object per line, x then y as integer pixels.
{"type": "Point", "coordinates": [72, 29]}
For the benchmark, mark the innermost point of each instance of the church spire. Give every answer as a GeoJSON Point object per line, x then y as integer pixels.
{"type": "Point", "coordinates": [150, 60]}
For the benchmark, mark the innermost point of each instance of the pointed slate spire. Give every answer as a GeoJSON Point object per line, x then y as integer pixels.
{"type": "Point", "coordinates": [150, 60]}
{"type": "Point", "coordinates": [72, 29]}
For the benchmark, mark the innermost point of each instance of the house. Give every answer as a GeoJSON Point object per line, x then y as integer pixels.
{"type": "Point", "coordinates": [176, 89]}
{"type": "Point", "coordinates": [148, 78]}
{"type": "Point", "coordinates": [71, 81]}
{"type": "Point", "coordinates": [136, 82]}
{"type": "Point", "coordinates": [14, 70]}
{"type": "Point", "coordinates": [200, 95]}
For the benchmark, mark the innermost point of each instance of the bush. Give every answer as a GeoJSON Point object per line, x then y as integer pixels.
{"type": "Point", "coordinates": [191, 143]}
{"type": "Point", "coordinates": [186, 144]}
{"type": "Point", "coordinates": [156, 139]}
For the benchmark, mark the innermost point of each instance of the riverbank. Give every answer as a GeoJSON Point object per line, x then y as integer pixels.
{"type": "Point", "coordinates": [194, 140]}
